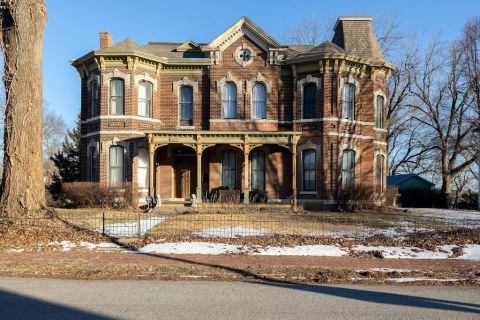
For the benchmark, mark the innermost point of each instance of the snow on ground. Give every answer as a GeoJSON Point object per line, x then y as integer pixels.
{"type": "Point", "coordinates": [471, 252]}
{"type": "Point", "coordinates": [231, 232]}
{"type": "Point", "coordinates": [458, 215]}
{"type": "Point", "coordinates": [442, 252]}
{"type": "Point", "coordinates": [403, 280]}
{"type": "Point", "coordinates": [132, 228]}
{"type": "Point", "coordinates": [69, 245]}
{"type": "Point", "coordinates": [307, 250]}
{"type": "Point", "coordinates": [190, 248]}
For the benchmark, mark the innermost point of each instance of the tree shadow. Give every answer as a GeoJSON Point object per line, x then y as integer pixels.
{"type": "Point", "coordinates": [14, 306]}
{"type": "Point", "coordinates": [341, 292]}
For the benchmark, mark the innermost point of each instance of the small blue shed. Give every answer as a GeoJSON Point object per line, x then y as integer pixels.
{"type": "Point", "coordinates": [409, 181]}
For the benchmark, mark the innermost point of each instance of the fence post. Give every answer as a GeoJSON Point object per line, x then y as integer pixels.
{"type": "Point", "coordinates": [103, 223]}
{"type": "Point", "coordinates": [139, 230]}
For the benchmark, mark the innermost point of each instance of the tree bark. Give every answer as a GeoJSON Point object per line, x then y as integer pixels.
{"type": "Point", "coordinates": [23, 24]}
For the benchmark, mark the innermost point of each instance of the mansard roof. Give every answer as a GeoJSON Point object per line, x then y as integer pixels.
{"type": "Point", "coordinates": [326, 48]}
{"type": "Point", "coordinates": [357, 37]}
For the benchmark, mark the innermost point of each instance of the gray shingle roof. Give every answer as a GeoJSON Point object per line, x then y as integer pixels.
{"type": "Point", "coordinates": [399, 178]}
{"type": "Point", "coordinates": [357, 37]}
{"type": "Point", "coordinates": [324, 48]}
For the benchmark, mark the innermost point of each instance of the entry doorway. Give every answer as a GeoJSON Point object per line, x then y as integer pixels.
{"type": "Point", "coordinates": [185, 173]}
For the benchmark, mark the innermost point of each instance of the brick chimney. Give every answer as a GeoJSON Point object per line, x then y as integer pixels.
{"type": "Point", "coordinates": [106, 40]}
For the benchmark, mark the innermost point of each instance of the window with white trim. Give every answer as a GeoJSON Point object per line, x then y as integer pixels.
{"type": "Point", "coordinates": [186, 106]}
{"type": "Point", "coordinates": [117, 90]}
{"type": "Point", "coordinates": [229, 100]}
{"type": "Point", "coordinates": [145, 98]}
{"type": "Point", "coordinates": [348, 101]}
{"type": "Point", "coordinates": [309, 170]}
{"type": "Point", "coordinates": [115, 166]}
{"type": "Point", "coordinates": [309, 101]}
{"type": "Point", "coordinates": [348, 167]}
{"type": "Point", "coordinates": [143, 165]}
{"type": "Point", "coordinates": [380, 105]}
{"type": "Point", "coordinates": [229, 168]}
{"type": "Point", "coordinates": [259, 97]}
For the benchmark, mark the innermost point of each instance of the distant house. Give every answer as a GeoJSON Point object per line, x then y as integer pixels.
{"type": "Point", "coordinates": [409, 181]}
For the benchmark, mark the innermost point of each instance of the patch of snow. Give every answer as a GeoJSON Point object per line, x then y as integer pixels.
{"type": "Point", "coordinates": [16, 250]}
{"type": "Point", "coordinates": [385, 270]}
{"type": "Point", "coordinates": [66, 245]}
{"type": "Point", "coordinates": [307, 250]}
{"type": "Point", "coordinates": [190, 248]}
{"type": "Point", "coordinates": [132, 228]}
{"type": "Point", "coordinates": [92, 246]}
{"type": "Point", "coordinates": [231, 232]}
{"type": "Point", "coordinates": [443, 252]}
{"type": "Point", "coordinates": [403, 280]}
{"type": "Point", "coordinates": [471, 252]}
{"type": "Point", "coordinates": [457, 216]}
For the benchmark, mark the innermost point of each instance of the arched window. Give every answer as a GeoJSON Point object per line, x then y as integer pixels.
{"type": "Point", "coordinates": [94, 99]}
{"type": "Point", "coordinates": [379, 178]}
{"type": "Point", "coordinates": [348, 101]}
{"type": "Point", "coordinates": [229, 168]}
{"type": "Point", "coordinates": [93, 164]}
{"type": "Point", "coordinates": [115, 166]}
{"type": "Point", "coordinates": [186, 106]}
{"type": "Point", "coordinates": [379, 112]}
{"type": "Point", "coordinates": [143, 165]}
{"type": "Point", "coordinates": [145, 98]}
{"type": "Point", "coordinates": [229, 101]}
{"type": "Point", "coordinates": [309, 170]}
{"type": "Point", "coordinates": [258, 169]}
{"type": "Point", "coordinates": [348, 167]}
{"type": "Point", "coordinates": [259, 110]}
{"type": "Point", "coordinates": [116, 96]}
{"type": "Point", "coordinates": [309, 101]}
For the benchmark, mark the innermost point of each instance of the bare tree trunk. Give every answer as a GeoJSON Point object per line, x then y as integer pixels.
{"type": "Point", "coordinates": [23, 24]}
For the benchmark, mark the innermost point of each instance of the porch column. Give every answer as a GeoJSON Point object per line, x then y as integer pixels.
{"type": "Point", "coordinates": [151, 166]}
{"type": "Point", "coordinates": [294, 175]}
{"type": "Point", "coordinates": [199, 173]}
{"type": "Point", "coordinates": [246, 178]}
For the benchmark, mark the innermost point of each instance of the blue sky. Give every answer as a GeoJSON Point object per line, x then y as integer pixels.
{"type": "Point", "coordinates": [73, 27]}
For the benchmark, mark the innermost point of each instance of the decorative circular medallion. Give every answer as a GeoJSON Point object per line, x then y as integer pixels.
{"type": "Point", "coordinates": [244, 55]}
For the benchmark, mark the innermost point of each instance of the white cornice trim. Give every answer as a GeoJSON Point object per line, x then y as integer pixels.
{"type": "Point", "coordinates": [113, 132]}
{"type": "Point", "coordinates": [119, 117]}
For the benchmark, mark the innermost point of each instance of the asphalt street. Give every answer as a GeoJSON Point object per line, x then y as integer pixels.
{"type": "Point", "coordinates": [22, 298]}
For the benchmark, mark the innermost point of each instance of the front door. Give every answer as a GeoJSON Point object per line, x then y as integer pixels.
{"type": "Point", "coordinates": [184, 168]}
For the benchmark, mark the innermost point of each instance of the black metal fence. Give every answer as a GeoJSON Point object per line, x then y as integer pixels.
{"type": "Point", "coordinates": [258, 223]}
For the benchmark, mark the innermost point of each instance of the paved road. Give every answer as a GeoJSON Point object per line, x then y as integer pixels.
{"type": "Point", "coordinates": [70, 299]}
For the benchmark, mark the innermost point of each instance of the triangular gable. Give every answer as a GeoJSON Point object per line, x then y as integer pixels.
{"type": "Point", "coordinates": [188, 46]}
{"type": "Point", "coordinates": [242, 27]}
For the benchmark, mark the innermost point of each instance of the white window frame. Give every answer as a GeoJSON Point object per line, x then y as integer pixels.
{"type": "Point", "coordinates": [147, 99]}
{"type": "Point", "coordinates": [143, 170]}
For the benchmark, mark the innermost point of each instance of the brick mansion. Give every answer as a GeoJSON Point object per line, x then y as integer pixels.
{"type": "Point", "coordinates": [242, 112]}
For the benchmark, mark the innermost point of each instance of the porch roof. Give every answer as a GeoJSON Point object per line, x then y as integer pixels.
{"type": "Point", "coordinates": [211, 138]}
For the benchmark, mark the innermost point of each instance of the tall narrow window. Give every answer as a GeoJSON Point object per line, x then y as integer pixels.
{"type": "Point", "coordinates": [145, 99]}
{"type": "Point", "coordinates": [143, 176]}
{"type": "Point", "coordinates": [258, 169]}
{"type": "Point", "coordinates": [379, 112]}
{"type": "Point", "coordinates": [229, 101]}
{"type": "Point", "coordinates": [309, 101]}
{"type": "Point", "coordinates": [348, 167]}
{"type": "Point", "coordinates": [348, 103]}
{"type": "Point", "coordinates": [309, 170]}
{"type": "Point", "coordinates": [229, 168]}
{"type": "Point", "coordinates": [379, 173]}
{"type": "Point", "coordinates": [186, 106]}
{"type": "Point", "coordinates": [94, 97]}
{"type": "Point", "coordinates": [116, 166]}
{"type": "Point", "coordinates": [259, 102]}
{"type": "Point", "coordinates": [116, 96]}
{"type": "Point", "coordinates": [93, 164]}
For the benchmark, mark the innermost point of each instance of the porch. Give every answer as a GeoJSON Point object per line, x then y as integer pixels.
{"type": "Point", "coordinates": [182, 163]}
